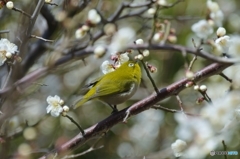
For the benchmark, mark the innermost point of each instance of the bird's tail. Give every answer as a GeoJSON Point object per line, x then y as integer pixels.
{"type": "Point", "coordinates": [80, 102]}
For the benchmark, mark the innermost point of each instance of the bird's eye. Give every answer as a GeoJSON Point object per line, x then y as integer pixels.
{"type": "Point", "coordinates": [131, 64]}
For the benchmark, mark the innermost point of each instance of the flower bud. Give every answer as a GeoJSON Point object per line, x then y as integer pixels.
{"type": "Point", "coordinates": [48, 1]}
{"type": "Point", "coordinates": [189, 75]}
{"type": "Point", "coordinates": [221, 32]}
{"type": "Point", "coordinates": [61, 102]}
{"type": "Point", "coordinates": [8, 55]}
{"type": "Point", "coordinates": [85, 28]}
{"type": "Point", "coordinates": [99, 51]}
{"type": "Point", "coordinates": [189, 84]}
{"type": "Point", "coordinates": [172, 38]}
{"type": "Point", "coordinates": [94, 17]}
{"type": "Point", "coordinates": [10, 5]}
{"type": "Point", "coordinates": [139, 42]}
{"type": "Point", "coordinates": [146, 53]}
{"type": "Point", "coordinates": [203, 88]}
{"type": "Point", "coordinates": [196, 87]}
{"type": "Point", "coordinates": [152, 68]}
{"type": "Point", "coordinates": [65, 108]}
{"type": "Point", "coordinates": [80, 33]}
{"type": "Point", "coordinates": [151, 11]}
{"type": "Point", "coordinates": [178, 147]}
{"type": "Point", "coordinates": [64, 113]}
{"type": "Point", "coordinates": [199, 100]}
{"type": "Point", "coordinates": [139, 57]}
{"type": "Point", "coordinates": [162, 2]}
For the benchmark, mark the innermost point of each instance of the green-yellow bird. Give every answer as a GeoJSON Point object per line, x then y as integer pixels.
{"type": "Point", "coordinates": [115, 87]}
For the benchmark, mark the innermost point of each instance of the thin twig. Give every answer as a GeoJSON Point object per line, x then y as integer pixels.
{"type": "Point", "coordinates": [171, 110]}
{"type": "Point", "coordinates": [225, 77]}
{"type": "Point", "coordinates": [83, 153]}
{"type": "Point", "coordinates": [225, 148]}
{"type": "Point", "coordinates": [118, 12]}
{"type": "Point", "coordinates": [4, 31]}
{"type": "Point", "coordinates": [153, 25]}
{"type": "Point", "coordinates": [180, 103]}
{"type": "Point", "coordinates": [41, 38]}
{"type": "Point", "coordinates": [149, 76]}
{"type": "Point", "coordinates": [92, 148]}
{"type": "Point", "coordinates": [206, 97]}
{"type": "Point", "coordinates": [40, 84]}
{"type": "Point", "coordinates": [179, 18]}
{"type": "Point", "coordinates": [79, 127]}
{"type": "Point", "coordinates": [21, 11]}
{"type": "Point", "coordinates": [174, 47]}
{"type": "Point", "coordinates": [166, 32]}
{"type": "Point", "coordinates": [37, 10]}
{"type": "Point", "coordinates": [192, 62]}
{"type": "Point", "coordinates": [195, 56]}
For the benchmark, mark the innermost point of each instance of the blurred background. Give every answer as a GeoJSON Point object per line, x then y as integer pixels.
{"type": "Point", "coordinates": [27, 131]}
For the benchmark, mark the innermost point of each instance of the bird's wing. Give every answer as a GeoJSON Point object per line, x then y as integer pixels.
{"type": "Point", "coordinates": [112, 87]}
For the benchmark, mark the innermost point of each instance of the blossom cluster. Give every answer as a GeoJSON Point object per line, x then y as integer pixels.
{"type": "Point", "coordinates": [93, 19]}
{"type": "Point", "coordinates": [223, 44]}
{"type": "Point", "coordinates": [165, 33]}
{"type": "Point", "coordinates": [7, 50]}
{"type": "Point", "coordinates": [55, 106]}
{"type": "Point", "coordinates": [204, 28]}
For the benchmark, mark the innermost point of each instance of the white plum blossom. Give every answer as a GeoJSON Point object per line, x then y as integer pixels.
{"type": "Point", "coordinates": [224, 42]}
{"type": "Point", "coordinates": [216, 48]}
{"type": "Point", "coordinates": [212, 6]}
{"type": "Point", "coordinates": [202, 29]}
{"type": "Point", "coordinates": [80, 33]}
{"type": "Point", "coordinates": [178, 147]}
{"type": "Point", "coordinates": [223, 108]}
{"type": "Point", "coordinates": [234, 48]}
{"type": "Point", "coordinates": [217, 17]}
{"type": "Point", "coordinates": [7, 46]}
{"type": "Point", "coordinates": [54, 105]}
{"type": "Point", "coordinates": [7, 49]}
{"type": "Point", "coordinates": [94, 17]}
{"type": "Point", "coordinates": [123, 58]}
{"type": "Point", "coordinates": [233, 73]}
{"type": "Point", "coordinates": [198, 132]}
{"type": "Point", "coordinates": [118, 59]}
{"type": "Point", "coordinates": [121, 40]}
{"type": "Point", "coordinates": [215, 13]}
{"type": "Point", "coordinates": [99, 51]}
{"type": "Point", "coordinates": [107, 67]}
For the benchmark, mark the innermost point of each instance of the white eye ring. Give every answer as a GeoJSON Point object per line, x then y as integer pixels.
{"type": "Point", "coordinates": [131, 64]}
